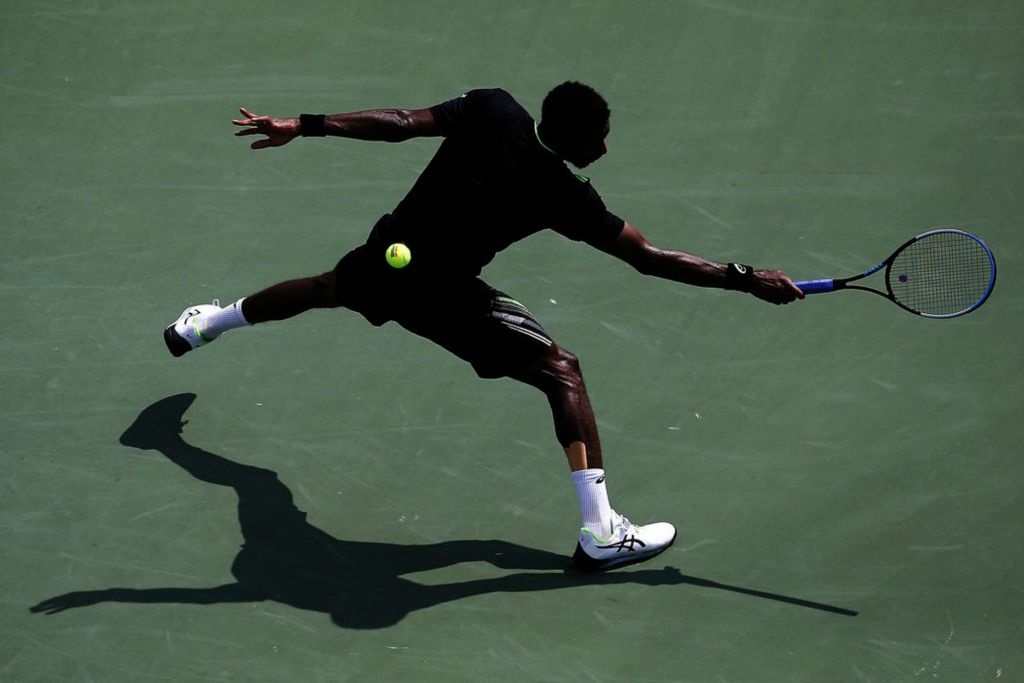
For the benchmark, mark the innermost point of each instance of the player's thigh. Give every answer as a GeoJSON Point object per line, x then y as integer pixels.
{"type": "Point", "coordinates": [487, 328]}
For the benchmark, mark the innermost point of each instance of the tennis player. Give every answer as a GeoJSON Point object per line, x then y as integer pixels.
{"type": "Point", "coordinates": [497, 177]}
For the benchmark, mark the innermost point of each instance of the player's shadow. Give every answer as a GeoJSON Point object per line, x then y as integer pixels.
{"type": "Point", "coordinates": [360, 584]}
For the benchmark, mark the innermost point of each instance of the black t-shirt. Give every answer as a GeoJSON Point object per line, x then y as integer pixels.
{"type": "Point", "coordinates": [490, 184]}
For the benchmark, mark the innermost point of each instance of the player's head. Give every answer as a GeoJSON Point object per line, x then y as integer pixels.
{"type": "Point", "coordinates": [575, 120]}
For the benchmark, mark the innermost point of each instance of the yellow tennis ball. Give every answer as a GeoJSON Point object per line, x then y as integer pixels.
{"type": "Point", "coordinates": [398, 255]}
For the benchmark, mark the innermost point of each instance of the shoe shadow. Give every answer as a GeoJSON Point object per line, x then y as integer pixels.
{"type": "Point", "coordinates": [360, 584]}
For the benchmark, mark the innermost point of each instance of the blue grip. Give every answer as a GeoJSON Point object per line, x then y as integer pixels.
{"type": "Point", "coordinates": [815, 286]}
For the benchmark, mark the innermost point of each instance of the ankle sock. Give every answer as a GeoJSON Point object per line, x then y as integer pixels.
{"type": "Point", "coordinates": [227, 318]}
{"type": "Point", "coordinates": [595, 509]}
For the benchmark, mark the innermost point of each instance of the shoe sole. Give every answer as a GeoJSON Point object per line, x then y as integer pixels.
{"type": "Point", "coordinates": [176, 344]}
{"type": "Point", "coordinates": [585, 563]}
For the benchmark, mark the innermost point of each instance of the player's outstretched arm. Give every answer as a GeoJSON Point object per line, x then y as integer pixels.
{"type": "Point", "coordinates": [389, 125]}
{"type": "Point", "coordinates": [633, 248]}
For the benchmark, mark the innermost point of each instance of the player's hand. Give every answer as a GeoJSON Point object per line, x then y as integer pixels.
{"type": "Point", "coordinates": [278, 131]}
{"type": "Point", "coordinates": [775, 287]}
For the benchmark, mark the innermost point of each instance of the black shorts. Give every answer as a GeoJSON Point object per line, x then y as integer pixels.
{"type": "Point", "coordinates": [496, 334]}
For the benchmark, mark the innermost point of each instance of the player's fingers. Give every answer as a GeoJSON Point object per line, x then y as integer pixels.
{"type": "Point", "coordinates": [787, 290]}
{"type": "Point", "coordinates": [247, 131]}
{"type": "Point", "coordinates": [796, 291]}
{"type": "Point", "coordinates": [261, 144]}
{"type": "Point", "coordinates": [246, 113]}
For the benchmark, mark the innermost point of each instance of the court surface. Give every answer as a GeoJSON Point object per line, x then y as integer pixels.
{"type": "Point", "coordinates": [846, 478]}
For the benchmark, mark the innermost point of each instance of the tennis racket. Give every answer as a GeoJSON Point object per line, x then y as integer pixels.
{"type": "Point", "coordinates": [938, 274]}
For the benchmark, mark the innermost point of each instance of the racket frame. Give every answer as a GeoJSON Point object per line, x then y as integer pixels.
{"type": "Point", "coordinates": [834, 284]}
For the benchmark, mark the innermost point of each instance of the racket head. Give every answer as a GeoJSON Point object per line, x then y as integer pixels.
{"type": "Point", "coordinates": [941, 274]}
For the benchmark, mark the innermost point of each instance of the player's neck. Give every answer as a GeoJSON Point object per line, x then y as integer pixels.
{"type": "Point", "coordinates": [536, 131]}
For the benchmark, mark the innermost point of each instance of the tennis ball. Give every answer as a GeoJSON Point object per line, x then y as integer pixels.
{"type": "Point", "coordinates": [398, 255]}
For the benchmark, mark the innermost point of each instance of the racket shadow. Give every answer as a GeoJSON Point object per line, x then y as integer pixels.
{"type": "Point", "coordinates": [360, 584]}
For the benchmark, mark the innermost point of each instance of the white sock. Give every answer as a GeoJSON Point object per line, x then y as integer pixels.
{"type": "Point", "coordinates": [593, 496]}
{"type": "Point", "coordinates": [225, 319]}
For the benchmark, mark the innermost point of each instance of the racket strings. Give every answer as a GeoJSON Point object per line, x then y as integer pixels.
{"type": "Point", "coordinates": [941, 274]}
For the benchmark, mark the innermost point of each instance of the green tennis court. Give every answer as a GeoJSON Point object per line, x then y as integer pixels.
{"type": "Point", "coordinates": [845, 477]}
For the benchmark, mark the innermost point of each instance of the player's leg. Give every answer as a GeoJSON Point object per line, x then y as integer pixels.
{"type": "Point", "coordinates": [501, 338]}
{"type": "Point", "coordinates": [607, 539]}
{"type": "Point", "coordinates": [557, 373]}
{"type": "Point", "coordinates": [199, 325]}
{"type": "Point", "coordinates": [288, 299]}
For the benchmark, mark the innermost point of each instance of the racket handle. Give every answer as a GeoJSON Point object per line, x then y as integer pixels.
{"type": "Point", "coordinates": [815, 286]}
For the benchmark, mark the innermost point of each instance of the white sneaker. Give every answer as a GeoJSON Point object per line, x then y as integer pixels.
{"type": "Point", "coordinates": [184, 334]}
{"type": "Point", "coordinates": [627, 544]}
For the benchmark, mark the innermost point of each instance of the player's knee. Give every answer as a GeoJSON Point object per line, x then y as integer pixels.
{"type": "Point", "coordinates": [323, 282]}
{"type": "Point", "coordinates": [325, 288]}
{"type": "Point", "coordinates": [565, 367]}
{"type": "Point", "coordinates": [568, 361]}
{"type": "Point", "coordinates": [554, 372]}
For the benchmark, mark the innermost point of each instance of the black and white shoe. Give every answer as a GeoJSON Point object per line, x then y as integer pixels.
{"type": "Point", "coordinates": [628, 543]}
{"type": "Point", "coordinates": [185, 333]}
